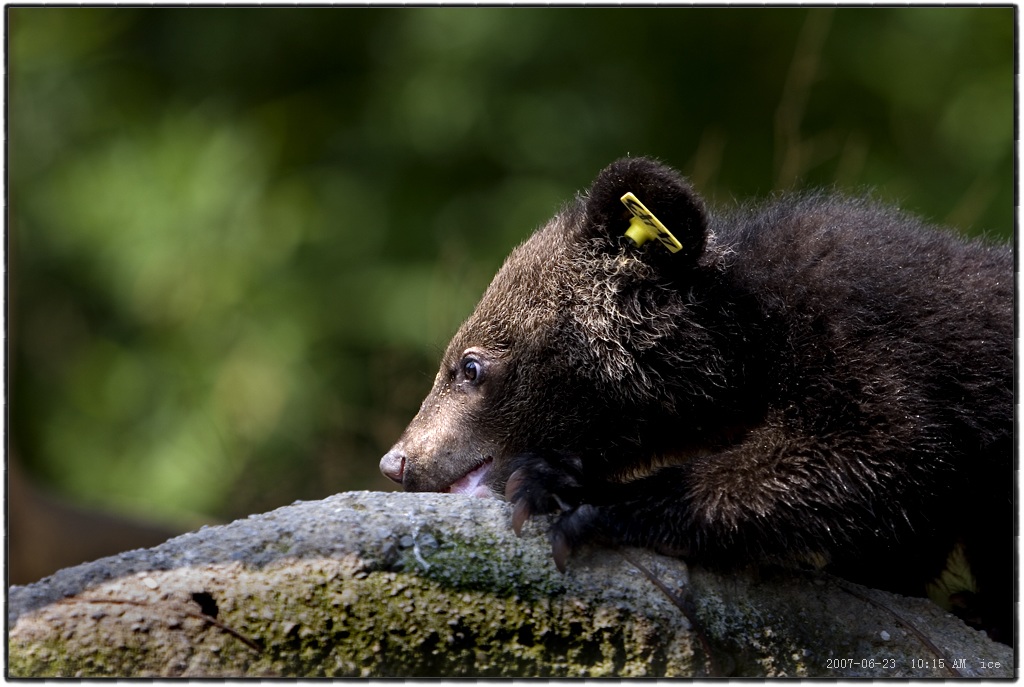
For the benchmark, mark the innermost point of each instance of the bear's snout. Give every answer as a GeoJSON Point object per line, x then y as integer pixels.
{"type": "Point", "coordinates": [392, 465]}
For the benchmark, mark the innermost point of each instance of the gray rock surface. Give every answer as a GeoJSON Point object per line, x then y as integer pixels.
{"type": "Point", "coordinates": [415, 585]}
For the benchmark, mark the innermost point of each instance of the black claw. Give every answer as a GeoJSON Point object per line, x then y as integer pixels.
{"type": "Point", "coordinates": [562, 505]}
{"type": "Point", "coordinates": [542, 484]}
{"type": "Point", "coordinates": [520, 514]}
{"type": "Point", "coordinates": [515, 482]}
{"type": "Point", "coordinates": [559, 550]}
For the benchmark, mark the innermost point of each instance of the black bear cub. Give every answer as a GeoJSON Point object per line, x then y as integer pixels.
{"type": "Point", "coordinates": [816, 379]}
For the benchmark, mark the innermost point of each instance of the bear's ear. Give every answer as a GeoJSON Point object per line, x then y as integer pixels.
{"type": "Point", "coordinates": [661, 192]}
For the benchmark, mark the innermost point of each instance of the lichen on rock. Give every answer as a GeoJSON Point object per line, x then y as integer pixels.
{"type": "Point", "coordinates": [367, 584]}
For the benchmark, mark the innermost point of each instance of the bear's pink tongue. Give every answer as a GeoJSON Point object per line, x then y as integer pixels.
{"type": "Point", "coordinates": [473, 483]}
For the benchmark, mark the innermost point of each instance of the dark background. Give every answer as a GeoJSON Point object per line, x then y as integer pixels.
{"type": "Point", "coordinates": [239, 239]}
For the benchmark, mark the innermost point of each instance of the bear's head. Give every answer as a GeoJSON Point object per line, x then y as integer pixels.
{"type": "Point", "coordinates": [576, 345]}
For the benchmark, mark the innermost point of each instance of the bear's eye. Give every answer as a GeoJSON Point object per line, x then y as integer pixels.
{"type": "Point", "coordinates": [472, 370]}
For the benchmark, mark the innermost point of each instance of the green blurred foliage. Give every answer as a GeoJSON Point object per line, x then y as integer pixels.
{"type": "Point", "coordinates": [239, 238]}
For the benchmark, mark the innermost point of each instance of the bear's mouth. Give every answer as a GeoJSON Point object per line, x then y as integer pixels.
{"type": "Point", "coordinates": [473, 482]}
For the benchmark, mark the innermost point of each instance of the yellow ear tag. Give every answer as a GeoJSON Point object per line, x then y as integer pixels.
{"type": "Point", "coordinates": [645, 226]}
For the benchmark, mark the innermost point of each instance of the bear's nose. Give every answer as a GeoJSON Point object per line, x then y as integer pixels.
{"type": "Point", "coordinates": [393, 465]}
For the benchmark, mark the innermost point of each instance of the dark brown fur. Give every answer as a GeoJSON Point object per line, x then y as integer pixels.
{"type": "Point", "coordinates": [812, 378]}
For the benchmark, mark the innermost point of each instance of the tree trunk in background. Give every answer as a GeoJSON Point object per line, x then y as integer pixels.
{"type": "Point", "coordinates": [46, 533]}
